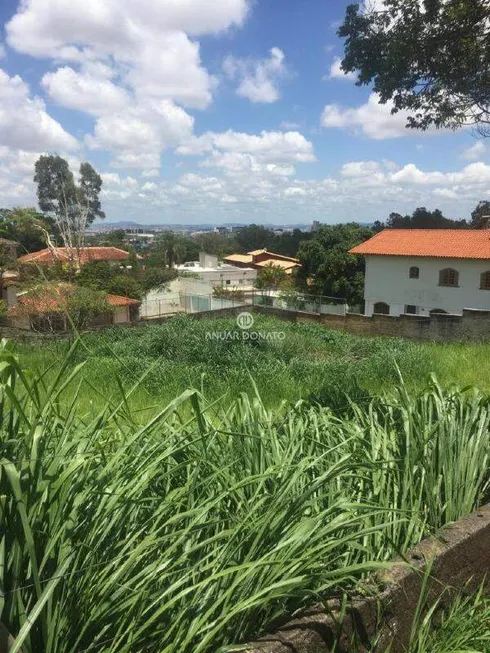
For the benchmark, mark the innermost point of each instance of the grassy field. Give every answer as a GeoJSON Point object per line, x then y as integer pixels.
{"type": "Point", "coordinates": [140, 516]}
{"type": "Point", "coordinates": [310, 362]}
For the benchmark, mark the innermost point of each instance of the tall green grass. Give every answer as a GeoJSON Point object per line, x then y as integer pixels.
{"type": "Point", "coordinates": [211, 521]}
{"type": "Point", "coordinates": [309, 362]}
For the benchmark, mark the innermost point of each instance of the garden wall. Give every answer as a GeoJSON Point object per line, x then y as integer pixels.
{"type": "Point", "coordinates": [472, 325]}
{"type": "Point", "coordinates": [461, 562]}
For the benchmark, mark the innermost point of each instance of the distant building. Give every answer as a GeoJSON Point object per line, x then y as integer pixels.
{"type": "Point", "coordinates": [426, 271]}
{"type": "Point", "coordinates": [47, 311]}
{"type": "Point", "coordinates": [315, 225]}
{"type": "Point", "coordinates": [260, 258]}
{"type": "Point", "coordinates": [87, 255]}
{"type": "Point", "coordinates": [229, 276]}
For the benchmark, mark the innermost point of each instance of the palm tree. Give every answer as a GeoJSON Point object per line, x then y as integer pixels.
{"type": "Point", "coordinates": [272, 277]}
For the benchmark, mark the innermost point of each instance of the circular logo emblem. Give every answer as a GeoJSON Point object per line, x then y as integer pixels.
{"type": "Point", "coordinates": [245, 320]}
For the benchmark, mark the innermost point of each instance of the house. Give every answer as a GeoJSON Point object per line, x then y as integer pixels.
{"type": "Point", "coordinates": [426, 271]}
{"type": "Point", "coordinates": [260, 258]}
{"type": "Point", "coordinates": [50, 256]}
{"type": "Point", "coordinates": [46, 308]}
{"type": "Point", "coordinates": [208, 269]}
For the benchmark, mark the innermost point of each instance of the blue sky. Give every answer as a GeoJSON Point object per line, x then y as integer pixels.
{"type": "Point", "coordinates": [216, 111]}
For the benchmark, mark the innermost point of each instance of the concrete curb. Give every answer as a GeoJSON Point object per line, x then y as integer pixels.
{"type": "Point", "coordinates": [461, 561]}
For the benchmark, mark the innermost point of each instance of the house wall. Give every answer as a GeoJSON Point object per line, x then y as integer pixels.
{"type": "Point", "coordinates": [231, 276]}
{"type": "Point", "coordinates": [121, 315]}
{"type": "Point", "coordinates": [387, 280]}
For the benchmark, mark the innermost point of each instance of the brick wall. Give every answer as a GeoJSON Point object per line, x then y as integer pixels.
{"type": "Point", "coordinates": [473, 325]}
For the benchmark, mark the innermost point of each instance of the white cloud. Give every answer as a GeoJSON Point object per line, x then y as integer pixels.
{"type": "Point", "coordinates": [148, 40]}
{"type": "Point", "coordinates": [445, 193]}
{"type": "Point", "coordinates": [55, 29]}
{"type": "Point", "coordinates": [336, 71]}
{"type": "Point", "coordinates": [24, 121]}
{"type": "Point", "coordinates": [259, 79]}
{"type": "Point", "coordinates": [87, 92]}
{"type": "Point", "coordinates": [129, 64]}
{"type": "Point", "coordinates": [267, 147]}
{"type": "Point", "coordinates": [373, 119]}
{"type": "Point", "coordinates": [138, 134]}
{"type": "Point", "coordinates": [412, 175]}
{"type": "Point", "coordinates": [289, 125]}
{"type": "Point", "coordinates": [370, 189]}
{"type": "Point", "coordinates": [474, 152]}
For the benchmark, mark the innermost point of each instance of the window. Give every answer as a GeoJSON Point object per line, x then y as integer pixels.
{"type": "Point", "coordinates": [228, 282]}
{"type": "Point", "coordinates": [414, 273]}
{"type": "Point", "coordinates": [449, 277]}
{"type": "Point", "coordinates": [485, 281]}
{"type": "Point", "coordinates": [437, 311]}
{"type": "Point", "coordinates": [382, 308]}
{"type": "Point", "coordinates": [411, 309]}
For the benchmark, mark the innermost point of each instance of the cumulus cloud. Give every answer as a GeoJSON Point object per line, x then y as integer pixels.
{"type": "Point", "coordinates": [138, 134]}
{"type": "Point", "coordinates": [258, 79]}
{"type": "Point", "coordinates": [336, 71]}
{"type": "Point", "coordinates": [136, 61]}
{"type": "Point", "coordinates": [24, 121]}
{"type": "Point", "coordinates": [361, 190]}
{"type": "Point", "coordinates": [474, 152]}
{"type": "Point", "coordinates": [148, 40]}
{"type": "Point", "coordinates": [372, 119]}
{"type": "Point", "coordinates": [268, 147]}
{"type": "Point", "coordinates": [85, 91]}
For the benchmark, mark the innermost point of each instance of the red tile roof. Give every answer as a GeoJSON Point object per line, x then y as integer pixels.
{"type": "Point", "coordinates": [47, 257]}
{"type": "Point", "coordinates": [119, 300]}
{"type": "Point", "coordinates": [435, 243]}
{"type": "Point", "coordinates": [53, 299]}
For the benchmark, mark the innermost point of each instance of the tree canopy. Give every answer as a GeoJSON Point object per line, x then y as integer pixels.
{"type": "Point", "coordinates": [422, 218]}
{"type": "Point", "coordinates": [480, 216]}
{"type": "Point", "coordinates": [328, 269]}
{"type": "Point", "coordinates": [72, 206]}
{"type": "Point", "coordinates": [27, 227]}
{"type": "Point", "coordinates": [429, 57]}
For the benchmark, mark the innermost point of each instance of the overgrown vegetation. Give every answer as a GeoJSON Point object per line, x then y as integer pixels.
{"type": "Point", "coordinates": [308, 362]}
{"type": "Point", "coordinates": [200, 528]}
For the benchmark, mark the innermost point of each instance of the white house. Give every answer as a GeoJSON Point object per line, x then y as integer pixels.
{"type": "Point", "coordinates": [229, 276]}
{"type": "Point", "coordinates": [424, 271]}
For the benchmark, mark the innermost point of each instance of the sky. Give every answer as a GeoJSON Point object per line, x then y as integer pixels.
{"type": "Point", "coordinates": [216, 111]}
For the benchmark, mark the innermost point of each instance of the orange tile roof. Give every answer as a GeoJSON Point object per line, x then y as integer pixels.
{"type": "Point", "coordinates": [47, 257]}
{"type": "Point", "coordinates": [119, 300]}
{"type": "Point", "coordinates": [53, 299]}
{"type": "Point", "coordinates": [248, 258]}
{"type": "Point", "coordinates": [239, 258]}
{"type": "Point", "coordinates": [286, 265]}
{"type": "Point", "coordinates": [435, 243]}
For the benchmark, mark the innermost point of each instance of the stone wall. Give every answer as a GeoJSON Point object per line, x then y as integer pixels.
{"type": "Point", "coordinates": [473, 325]}
{"type": "Point", "coordinates": [460, 560]}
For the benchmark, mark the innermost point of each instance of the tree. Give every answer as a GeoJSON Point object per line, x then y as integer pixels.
{"type": "Point", "coordinates": [480, 217]}
{"type": "Point", "coordinates": [272, 277]}
{"type": "Point", "coordinates": [168, 250]}
{"type": "Point", "coordinates": [73, 207]}
{"type": "Point", "coordinates": [254, 237]}
{"type": "Point", "coordinates": [422, 218]}
{"type": "Point", "coordinates": [327, 267]}
{"type": "Point", "coordinates": [27, 227]}
{"type": "Point", "coordinates": [429, 57]}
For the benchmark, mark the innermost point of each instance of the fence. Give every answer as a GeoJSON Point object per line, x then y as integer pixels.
{"type": "Point", "coordinates": [172, 303]}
